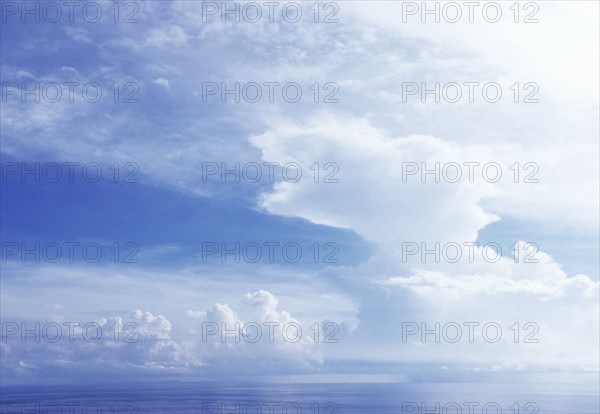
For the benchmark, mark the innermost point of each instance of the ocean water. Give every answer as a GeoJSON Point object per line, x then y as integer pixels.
{"type": "Point", "coordinates": [219, 398]}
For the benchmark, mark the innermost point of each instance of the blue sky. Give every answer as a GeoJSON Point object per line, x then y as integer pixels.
{"type": "Point", "coordinates": [171, 133]}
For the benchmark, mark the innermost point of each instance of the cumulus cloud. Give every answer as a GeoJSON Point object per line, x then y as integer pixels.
{"type": "Point", "coordinates": [372, 162]}
{"type": "Point", "coordinates": [141, 341]}
{"type": "Point", "coordinates": [257, 332]}
{"type": "Point", "coordinates": [214, 343]}
{"type": "Point", "coordinates": [392, 211]}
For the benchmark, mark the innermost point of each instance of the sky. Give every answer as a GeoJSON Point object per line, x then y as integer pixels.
{"type": "Point", "coordinates": [299, 191]}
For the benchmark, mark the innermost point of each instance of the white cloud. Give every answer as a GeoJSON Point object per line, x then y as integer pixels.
{"type": "Point", "coordinates": [258, 332]}
{"type": "Point", "coordinates": [78, 34]}
{"type": "Point", "coordinates": [162, 82]}
{"type": "Point", "coordinates": [372, 200]}
{"type": "Point", "coordinates": [368, 134]}
{"type": "Point", "coordinates": [172, 35]}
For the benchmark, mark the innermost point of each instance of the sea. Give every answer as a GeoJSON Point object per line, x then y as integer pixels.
{"type": "Point", "coordinates": [313, 398]}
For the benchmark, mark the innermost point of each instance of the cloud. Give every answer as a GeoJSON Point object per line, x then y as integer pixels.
{"type": "Point", "coordinates": [371, 162]}
{"type": "Point", "coordinates": [144, 342]}
{"type": "Point", "coordinates": [162, 82]}
{"type": "Point", "coordinates": [369, 134]}
{"type": "Point", "coordinates": [391, 212]}
{"type": "Point", "coordinates": [257, 334]}
{"type": "Point", "coordinates": [172, 35]}
{"type": "Point", "coordinates": [141, 342]}
{"type": "Point", "coordinates": [78, 34]}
